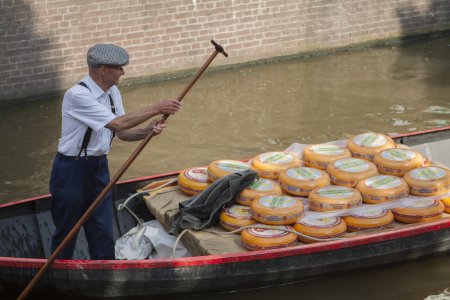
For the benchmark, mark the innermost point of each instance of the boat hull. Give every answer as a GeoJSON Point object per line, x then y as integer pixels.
{"type": "Point", "coordinates": [220, 273]}
{"type": "Point", "coordinates": [25, 231]}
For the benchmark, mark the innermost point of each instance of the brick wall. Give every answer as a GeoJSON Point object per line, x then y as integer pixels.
{"type": "Point", "coordinates": [43, 44]}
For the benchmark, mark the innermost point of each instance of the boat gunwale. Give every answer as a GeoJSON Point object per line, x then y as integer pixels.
{"type": "Point", "coordinates": [86, 264]}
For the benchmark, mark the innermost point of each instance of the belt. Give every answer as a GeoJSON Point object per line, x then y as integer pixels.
{"type": "Point", "coordinates": [90, 157]}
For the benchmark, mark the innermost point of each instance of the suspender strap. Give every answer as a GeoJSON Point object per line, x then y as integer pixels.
{"type": "Point", "coordinates": [113, 110]}
{"type": "Point", "coordinates": [87, 135]}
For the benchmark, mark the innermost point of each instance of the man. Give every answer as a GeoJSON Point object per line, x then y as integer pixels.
{"type": "Point", "coordinates": [92, 114]}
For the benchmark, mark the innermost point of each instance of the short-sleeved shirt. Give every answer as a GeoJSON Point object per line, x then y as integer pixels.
{"type": "Point", "coordinates": [88, 107]}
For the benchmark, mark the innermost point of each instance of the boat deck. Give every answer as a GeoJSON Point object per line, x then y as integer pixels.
{"type": "Point", "coordinates": [165, 205]}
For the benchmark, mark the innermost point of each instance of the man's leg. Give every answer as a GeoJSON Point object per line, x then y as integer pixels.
{"type": "Point", "coordinates": [66, 187]}
{"type": "Point", "coordinates": [99, 227]}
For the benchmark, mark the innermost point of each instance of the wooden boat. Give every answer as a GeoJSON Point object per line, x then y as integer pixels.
{"type": "Point", "coordinates": [26, 227]}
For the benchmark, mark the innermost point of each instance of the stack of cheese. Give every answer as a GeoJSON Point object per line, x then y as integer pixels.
{"type": "Point", "coordinates": [193, 181]}
{"type": "Point", "coordinates": [277, 213]}
{"type": "Point", "coordinates": [370, 168]}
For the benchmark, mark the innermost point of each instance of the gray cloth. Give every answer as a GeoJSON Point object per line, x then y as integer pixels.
{"type": "Point", "coordinates": [203, 210]}
{"type": "Point", "coordinates": [107, 54]}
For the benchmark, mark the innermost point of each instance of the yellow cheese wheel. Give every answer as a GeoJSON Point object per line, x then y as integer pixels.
{"type": "Point", "coordinates": [349, 171]}
{"type": "Point", "coordinates": [373, 218]}
{"type": "Point", "coordinates": [300, 181]}
{"type": "Point", "coordinates": [334, 197]}
{"type": "Point", "coordinates": [398, 161]}
{"type": "Point", "coordinates": [319, 156]}
{"type": "Point", "coordinates": [193, 181]}
{"type": "Point", "coordinates": [270, 164]}
{"type": "Point", "coordinates": [382, 188]}
{"type": "Point", "coordinates": [277, 210]}
{"type": "Point", "coordinates": [268, 238]}
{"type": "Point", "coordinates": [428, 181]}
{"type": "Point", "coordinates": [419, 210]}
{"type": "Point", "coordinates": [326, 228]}
{"type": "Point", "coordinates": [235, 217]}
{"type": "Point", "coordinates": [366, 145]}
{"type": "Point", "coordinates": [221, 168]}
{"type": "Point", "coordinates": [259, 188]}
{"type": "Point", "coordinates": [446, 203]}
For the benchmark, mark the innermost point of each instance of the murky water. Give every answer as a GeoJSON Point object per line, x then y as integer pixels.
{"type": "Point", "coordinates": [239, 113]}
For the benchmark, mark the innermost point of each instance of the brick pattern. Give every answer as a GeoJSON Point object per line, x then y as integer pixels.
{"type": "Point", "coordinates": [43, 44]}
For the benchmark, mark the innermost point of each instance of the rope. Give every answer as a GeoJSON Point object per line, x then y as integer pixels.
{"type": "Point", "coordinates": [264, 226]}
{"type": "Point", "coordinates": [158, 190]}
{"type": "Point", "coordinates": [261, 226]}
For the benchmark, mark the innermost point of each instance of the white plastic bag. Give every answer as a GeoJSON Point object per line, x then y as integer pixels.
{"type": "Point", "coordinates": [148, 240]}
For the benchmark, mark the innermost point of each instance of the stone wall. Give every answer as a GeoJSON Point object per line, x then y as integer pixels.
{"type": "Point", "coordinates": [43, 44]}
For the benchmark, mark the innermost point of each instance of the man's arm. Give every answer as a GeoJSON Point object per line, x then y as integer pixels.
{"type": "Point", "coordinates": [133, 119]}
{"type": "Point", "coordinates": [137, 134]}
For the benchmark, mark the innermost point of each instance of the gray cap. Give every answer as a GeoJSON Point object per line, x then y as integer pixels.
{"type": "Point", "coordinates": [106, 54]}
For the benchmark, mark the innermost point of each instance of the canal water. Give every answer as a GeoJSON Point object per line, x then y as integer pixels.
{"type": "Point", "coordinates": [240, 112]}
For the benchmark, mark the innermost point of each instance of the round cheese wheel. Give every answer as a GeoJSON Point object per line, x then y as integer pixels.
{"type": "Point", "coordinates": [277, 210]}
{"type": "Point", "coordinates": [319, 156]}
{"type": "Point", "coordinates": [398, 161]}
{"type": "Point", "coordinates": [193, 181]}
{"type": "Point", "coordinates": [428, 181]}
{"type": "Point", "coordinates": [382, 188]}
{"type": "Point", "coordinates": [235, 217]}
{"type": "Point", "coordinates": [326, 228]}
{"type": "Point", "coordinates": [369, 219]}
{"type": "Point", "coordinates": [301, 181]}
{"type": "Point", "coordinates": [334, 197]}
{"type": "Point", "coordinates": [270, 164]}
{"type": "Point", "coordinates": [419, 210]}
{"type": "Point", "coordinates": [366, 145]}
{"type": "Point", "coordinates": [349, 171]}
{"type": "Point", "coordinates": [446, 203]}
{"type": "Point", "coordinates": [221, 168]}
{"type": "Point", "coordinates": [268, 238]}
{"type": "Point", "coordinates": [259, 188]}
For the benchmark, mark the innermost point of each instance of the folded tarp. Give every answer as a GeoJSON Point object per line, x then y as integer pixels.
{"type": "Point", "coordinates": [202, 211]}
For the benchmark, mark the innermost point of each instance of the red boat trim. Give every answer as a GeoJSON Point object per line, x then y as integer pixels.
{"type": "Point", "coordinates": [229, 258]}
{"type": "Point", "coordinates": [433, 130]}
{"type": "Point", "coordinates": [120, 182]}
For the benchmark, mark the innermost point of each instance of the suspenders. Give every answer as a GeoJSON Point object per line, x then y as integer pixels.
{"type": "Point", "coordinates": [87, 135]}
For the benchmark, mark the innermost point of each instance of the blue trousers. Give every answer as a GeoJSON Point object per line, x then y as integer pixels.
{"type": "Point", "coordinates": [74, 185]}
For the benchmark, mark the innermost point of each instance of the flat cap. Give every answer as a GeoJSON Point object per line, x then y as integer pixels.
{"type": "Point", "coordinates": [107, 54]}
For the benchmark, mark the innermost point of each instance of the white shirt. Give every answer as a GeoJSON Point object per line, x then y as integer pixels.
{"type": "Point", "coordinates": [83, 108]}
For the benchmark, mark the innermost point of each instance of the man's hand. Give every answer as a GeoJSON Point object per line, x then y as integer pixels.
{"type": "Point", "coordinates": [157, 126]}
{"type": "Point", "coordinates": [168, 106]}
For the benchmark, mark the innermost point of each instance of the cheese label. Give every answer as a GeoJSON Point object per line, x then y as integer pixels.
{"type": "Point", "coordinates": [428, 173]}
{"type": "Point", "coordinates": [370, 140]}
{"type": "Point", "coordinates": [335, 192]}
{"type": "Point", "coordinates": [320, 223]}
{"type": "Point", "coordinates": [276, 158]}
{"type": "Point", "coordinates": [277, 201]}
{"type": "Point", "coordinates": [328, 150]}
{"type": "Point", "coordinates": [304, 173]}
{"type": "Point", "coordinates": [239, 212]}
{"type": "Point", "coordinates": [352, 165]}
{"type": "Point", "coordinates": [423, 203]}
{"type": "Point", "coordinates": [269, 231]}
{"type": "Point", "coordinates": [261, 184]}
{"type": "Point", "coordinates": [382, 182]}
{"type": "Point", "coordinates": [197, 174]}
{"type": "Point", "coordinates": [398, 154]}
{"type": "Point", "coordinates": [370, 214]}
{"type": "Point", "coordinates": [232, 166]}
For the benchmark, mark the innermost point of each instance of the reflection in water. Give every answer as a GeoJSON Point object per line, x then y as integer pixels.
{"type": "Point", "coordinates": [242, 112]}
